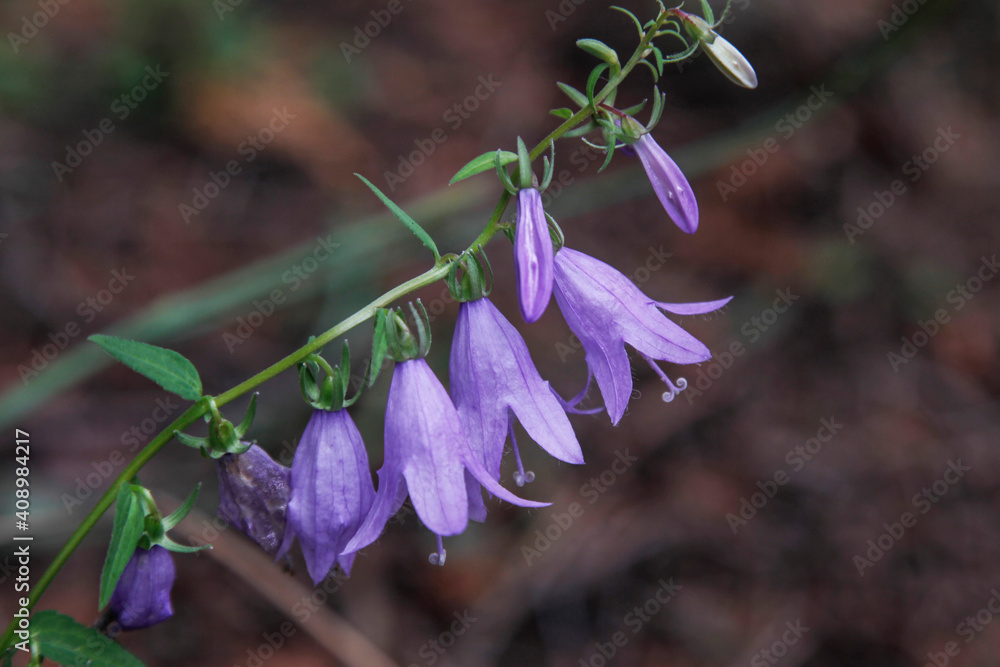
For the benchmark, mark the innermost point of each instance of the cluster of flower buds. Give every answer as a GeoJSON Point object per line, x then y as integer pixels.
{"type": "Point", "coordinates": [443, 449]}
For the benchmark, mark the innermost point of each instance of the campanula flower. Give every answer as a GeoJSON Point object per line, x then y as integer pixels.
{"type": "Point", "coordinates": [723, 55]}
{"type": "Point", "coordinates": [253, 496]}
{"type": "Point", "coordinates": [493, 380]}
{"type": "Point", "coordinates": [669, 183]}
{"type": "Point", "coordinates": [606, 310]}
{"type": "Point", "coordinates": [532, 255]}
{"type": "Point", "coordinates": [142, 596]}
{"type": "Point", "coordinates": [332, 492]}
{"type": "Point", "coordinates": [426, 455]}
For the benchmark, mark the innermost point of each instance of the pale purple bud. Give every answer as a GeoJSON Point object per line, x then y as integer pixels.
{"type": "Point", "coordinates": [532, 255]}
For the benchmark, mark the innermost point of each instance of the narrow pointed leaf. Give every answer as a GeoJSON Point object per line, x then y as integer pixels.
{"type": "Point", "coordinates": [178, 514]}
{"type": "Point", "coordinates": [573, 94]}
{"type": "Point", "coordinates": [484, 162]}
{"type": "Point", "coordinates": [125, 534]}
{"type": "Point", "coordinates": [167, 368]}
{"type": "Point", "coordinates": [64, 641]}
{"type": "Point", "coordinates": [414, 227]}
{"type": "Point", "coordinates": [563, 113]}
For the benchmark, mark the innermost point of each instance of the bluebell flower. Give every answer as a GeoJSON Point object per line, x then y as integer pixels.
{"type": "Point", "coordinates": [606, 310]}
{"type": "Point", "coordinates": [253, 496]}
{"type": "Point", "coordinates": [332, 492]}
{"type": "Point", "coordinates": [532, 255]}
{"type": "Point", "coordinates": [669, 183]}
{"type": "Point", "coordinates": [142, 596]}
{"type": "Point", "coordinates": [494, 380]}
{"type": "Point", "coordinates": [426, 456]}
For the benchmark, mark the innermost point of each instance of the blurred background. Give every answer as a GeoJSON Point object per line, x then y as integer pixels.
{"type": "Point", "coordinates": [824, 493]}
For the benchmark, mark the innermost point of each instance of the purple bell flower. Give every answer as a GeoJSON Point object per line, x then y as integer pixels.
{"type": "Point", "coordinates": [332, 492]}
{"type": "Point", "coordinates": [426, 455]}
{"type": "Point", "coordinates": [532, 255]}
{"type": "Point", "coordinates": [606, 310]}
{"type": "Point", "coordinates": [493, 380]}
{"type": "Point", "coordinates": [142, 596]}
{"type": "Point", "coordinates": [669, 183]}
{"type": "Point", "coordinates": [253, 496]}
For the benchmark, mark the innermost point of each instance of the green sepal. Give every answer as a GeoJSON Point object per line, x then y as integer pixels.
{"type": "Point", "coordinates": [412, 224]}
{"type": "Point", "coordinates": [64, 641]}
{"type": "Point", "coordinates": [579, 98]}
{"type": "Point", "coordinates": [178, 514]}
{"type": "Point", "coordinates": [600, 50]}
{"type": "Point", "coordinates": [503, 175]}
{"type": "Point", "coordinates": [548, 167]}
{"type": "Point", "coordinates": [167, 368]}
{"type": "Point", "coordinates": [482, 163]}
{"type": "Point", "coordinates": [523, 165]}
{"type": "Point", "coordinates": [707, 11]}
{"type": "Point", "coordinates": [635, 108]}
{"type": "Point", "coordinates": [191, 440]}
{"type": "Point", "coordinates": [592, 80]}
{"type": "Point", "coordinates": [379, 346]}
{"type": "Point", "coordinates": [654, 117]}
{"type": "Point", "coordinates": [170, 545]}
{"type": "Point", "coordinates": [244, 425]}
{"type": "Point", "coordinates": [125, 534]}
{"type": "Point", "coordinates": [611, 140]}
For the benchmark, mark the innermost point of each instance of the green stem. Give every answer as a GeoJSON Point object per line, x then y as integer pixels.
{"type": "Point", "coordinates": [429, 277]}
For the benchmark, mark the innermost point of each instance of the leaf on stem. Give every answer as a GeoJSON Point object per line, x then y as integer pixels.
{"type": "Point", "coordinates": [481, 163]}
{"type": "Point", "coordinates": [125, 534]}
{"type": "Point", "coordinates": [414, 227]}
{"type": "Point", "coordinates": [167, 368]}
{"type": "Point", "coordinates": [64, 641]}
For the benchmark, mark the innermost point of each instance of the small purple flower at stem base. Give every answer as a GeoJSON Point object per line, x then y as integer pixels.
{"type": "Point", "coordinates": [532, 255]}
{"type": "Point", "coordinates": [332, 492]}
{"type": "Point", "coordinates": [492, 376]}
{"type": "Point", "coordinates": [426, 455]}
{"type": "Point", "coordinates": [142, 596]}
{"type": "Point", "coordinates": [606, 310]}
{"type": "Point", "coordinates": [253, 496]}
{"type": "Point", "coordinates": [669, 184]}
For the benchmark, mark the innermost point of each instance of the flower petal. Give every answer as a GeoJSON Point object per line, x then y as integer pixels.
{"type": "Point", "coordinates": [669, 184]}
{"type": "Point", "coordinates": [532, 255]}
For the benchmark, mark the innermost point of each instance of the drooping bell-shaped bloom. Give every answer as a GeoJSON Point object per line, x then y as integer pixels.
{"type": "Point", "coordinates": [493, 380]}
{"type": "Point", "coordinates": [669, 183]}
{"type": "Point", "coordinates": [332, 492]}
{"type": "Point", "coordinates": [606, 310]}
{"type": "Point", "coordinates": [532, 255]}
{"type": "Point", "coordinates": [253, 496]}
{"type": "Point", "coordinates": [142, 596]}
{"type": "Point", "coordinates": [426, 455]}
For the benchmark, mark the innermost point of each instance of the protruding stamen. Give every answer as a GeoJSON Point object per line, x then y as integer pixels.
{"type": "Point", "coordinates": [520, 477]}
{"type": "Point", "coordinates": [439, 557]}
{"type": "Point", "coordinates": [570, 405]}
{"type": "Point", "coordinates": [673, 389]}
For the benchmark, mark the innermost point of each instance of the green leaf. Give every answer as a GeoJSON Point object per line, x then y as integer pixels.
{"type": "Point", "coordinates": [573, 94]}
{"type": "Point", "coordinates": [170, 545]}
{"type": "Point", "coordinates": [595, 74]}
{"type": "Point", "coordinates": [418, 231]}
{"type": "Point", "coordinates": [165, 367]}
{"type": "Point", "coordinates": [178, 514]}
{"type": "Point", "coordinates": [484, 162]}
{"type": "Point", "coordinates": [599, 50]}
{"type": "Point", "coordinates": [563, 113]}
{"type": "Point", "coordinates": [125, 536]}
{"type": "Point", "coordinates": [64, 641]}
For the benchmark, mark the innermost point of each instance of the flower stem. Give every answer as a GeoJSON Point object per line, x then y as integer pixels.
{"type": "Point", "coordinates": [429, 277]}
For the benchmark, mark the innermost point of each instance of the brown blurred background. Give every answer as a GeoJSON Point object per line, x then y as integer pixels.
{"type": "Point", "coordinates": [849, 204]}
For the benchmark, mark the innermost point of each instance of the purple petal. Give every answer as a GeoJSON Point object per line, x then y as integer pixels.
{"type": "Point", "coordinates": [142, 596]}
{"type": "Point", "coordinates": [332, 490]}
{"type": "Point", "coordinates": [669, 183]}
{"type": "Point", "coordinates": [390, 487]}
{"type": "Point", "coordinates": [697, 308]}
{"type": "Point", "coordinates": [532, 255]}
{"type": "Point", "coordinates": [253, 496]}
